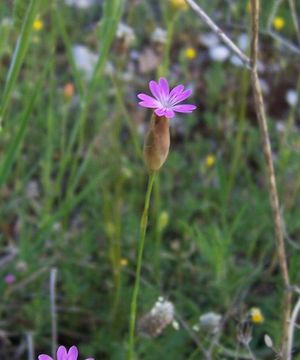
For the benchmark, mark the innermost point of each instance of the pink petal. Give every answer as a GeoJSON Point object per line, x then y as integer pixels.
{"type": "Point", "coordinates": [160, 112]}
{"type": "Point", "coordinates": [147, 105]}
{"type": "Point", "coordinates": [44, 357]}
{"type": "Point", "coordinates": [176, 91]}
{"type": "Point", "coordinates": [185, 108]}
{"type": "Point", "coordinates": [90, 359]}
{"type": "Point", "coordinates": [61, 353]}
{"type": "Point", "coordinates": [149, 100]}
{"type": "Point", "coordinates": [73, 353]}
{"type": "Point", "coordinates": [169, 113]}
{"type": "Point", "coordinates": [184, 95]}
{"type": "Point", "coordinates": [155, 89]}
{"type": "Point", "coordinates": [164, 86]}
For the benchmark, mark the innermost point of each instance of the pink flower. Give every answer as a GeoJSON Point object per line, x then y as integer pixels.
{"type": "Point", "coordinates": [166, 102]}
{"type": "Point", "coordinates": [63, 354]}
{"type": "Point", "coordinates": [9, 279]}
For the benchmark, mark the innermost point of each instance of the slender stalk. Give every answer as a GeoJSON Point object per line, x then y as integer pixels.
{"type": "Point", "coordinates": [53, 277]}
{"type": "Point", "coordinates": [30, 345]}
{"type": "Point", "coordinates": [272, 188]}
{"type": "Point", "coordinates": [238, 146]}
{"type": "Point", "coordinates": [18, 57]}
{"type": "Point", "coordinates": [163, 70]}
{"type": "Point", "coordinates": [143, 227]}
{"type": "Point", "coordinates": [292, 329]}
{"type": "Point", "coordinates": [295, 18]}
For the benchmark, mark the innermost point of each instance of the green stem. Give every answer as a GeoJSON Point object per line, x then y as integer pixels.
{"type": "Point", "coordinates": [143, 227]}
{"type": "Point", "coordinates": [164, 68]}
{"type": "Point", "coordinates": [238, 147]}
{"type": "Point", "coordinates": [157, 232]}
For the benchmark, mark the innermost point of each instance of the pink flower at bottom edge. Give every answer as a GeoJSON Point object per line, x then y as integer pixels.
{"type": "Point", "coordinates": [164, 101]}
{"type": "Point", "coordinates": [63, 354]}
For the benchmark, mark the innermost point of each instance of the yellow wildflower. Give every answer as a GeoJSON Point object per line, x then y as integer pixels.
{"type": "Point", "coordinates": [278, 23]}
{"type": "Point", "coordinates": [124, 262]}
{"type": "Point", "coordinates": [190, 53]}
{"type": "Point", "coordinates": [179, 4]}
{"type": "Point", "coordinates": [256, 316]}
{"type": "Point", "coordinates": [38, 24]}
{"type": "Point", "coordinates": [210, 160]}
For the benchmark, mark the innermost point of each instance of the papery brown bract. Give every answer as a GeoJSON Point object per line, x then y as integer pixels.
{"type": "Point", "coordinates": [157, 143]}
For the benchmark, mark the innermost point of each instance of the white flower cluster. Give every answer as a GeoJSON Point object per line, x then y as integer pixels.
{"type": "Point", "coordinates": [157, 319]}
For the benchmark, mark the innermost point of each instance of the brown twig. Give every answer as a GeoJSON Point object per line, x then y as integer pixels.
{"type": "Point", "coordinates": [279, 234]}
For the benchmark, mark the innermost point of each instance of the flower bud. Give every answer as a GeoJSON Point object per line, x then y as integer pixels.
{"type": "Point", "coordinates": [163, 220]}
{"type": "Point", "coordinates": [157, 143]}
{"type": "Point", "coordinates": [157, 319]}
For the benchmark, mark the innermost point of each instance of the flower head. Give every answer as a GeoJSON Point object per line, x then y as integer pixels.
{"type": "Point", "coordinates": [157, 319]}
{"type": "Point", "coordinates": [210, 160]}
{"type": "Point", "coordinates": [166, 102]}
{"type": "Point", "coordinates": [9, 279]}
{"type": "Point", "coordinates": [211, 322]}
{"type": "Point", "coordinates": [38, 24]}
{"type": "Point", "coordinates": [179, 4]}
{"type": "Point", "coordinates": [63, 354]}
{"type": "Point", "coordinates": [256, 316]}
{"type": "Point", "coordinates": [278, 23]}
{"type": "Point", "coordinates": [190, 53]}
{"type": "Point", "coordinates": [123, 262]}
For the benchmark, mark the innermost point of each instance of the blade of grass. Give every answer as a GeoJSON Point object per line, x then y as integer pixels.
{"type": "Point", "coordinates": [18, 57]}
{"type": "Point", "coordinates": [59, 21]}
{"type": "Point", "coordinates": [14, 145]}
{"type": "Point", "coordinates": [65, 207]}
{"type": "Point", "coordinates": [111, 17]}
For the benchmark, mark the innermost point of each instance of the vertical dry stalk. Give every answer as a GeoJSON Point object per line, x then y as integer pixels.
{"type": "Point", "coordinates": [30, 345]}
{"type": "Point", "coordinates": [261, 115]}
{"type": "Point", "coordinates": [53, 277]}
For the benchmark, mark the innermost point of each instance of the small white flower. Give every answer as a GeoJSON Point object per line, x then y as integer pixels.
{"type": "Point", "coordinates": [164, 309]}
{"type": "Point", "coordinates": [159, 35]}
{"type": "Point", "coordinates": [219, 53]}
{"type": "Point", "coordinates": [243, 41]}
{"type": "Point", "coordinates": [81, 4]}
{"type": "Point", "coordinates": [280, 126]}
{"type": "Point", "coordinates": [210, 322]}
{"type": "Point", "coordinates": [209, 40]}
{"type": "Point", "coordinates": [291, 97]}
{"type": "Point", "coordinates": [196, 328]}
{"type": "Point", "coordinates": [85, 59]}
{"type": "Point", "coordinates": [125, 32]}
{"type": "Point", "coordinates": [175, 325]}
{"type": "Point", "coordinates": [235, 60]}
